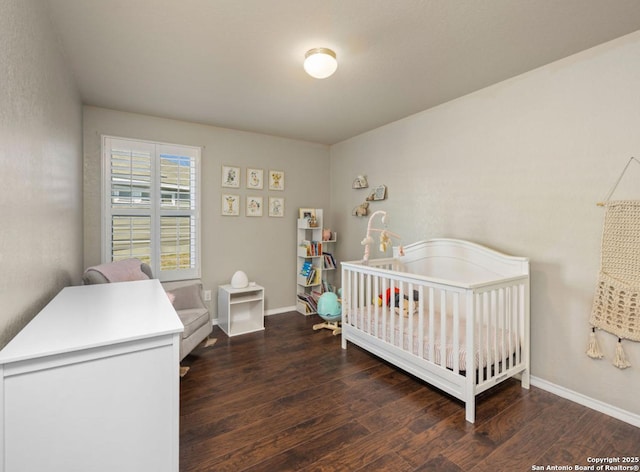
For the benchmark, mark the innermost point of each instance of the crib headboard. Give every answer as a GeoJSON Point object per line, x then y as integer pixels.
{"type": "Point", "coordinates": [459, 260]}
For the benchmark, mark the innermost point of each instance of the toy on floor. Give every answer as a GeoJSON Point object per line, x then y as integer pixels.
{"type": "Point", "coordinates": [330, 310]}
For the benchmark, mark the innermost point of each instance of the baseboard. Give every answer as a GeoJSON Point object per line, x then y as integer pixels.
{"type": "Point", "coordinates": [277, 311]}
{"type": "Point", "coordinates": [610, 410]}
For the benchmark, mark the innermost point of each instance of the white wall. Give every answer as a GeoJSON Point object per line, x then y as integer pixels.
{"type": "Point", "coordinates": [264, 247]}
{"type": "Point", "coordinates": [519, 167]}
{"type": "Point", "coordinates": [40, 165]}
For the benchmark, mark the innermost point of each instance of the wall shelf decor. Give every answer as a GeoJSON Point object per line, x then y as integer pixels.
{"type": "Point", "coordinates": [378, 193]}
{"type": "Point", "coordinates": [361, 210]}
{"type": "Point", "coordinates": [360, 182]}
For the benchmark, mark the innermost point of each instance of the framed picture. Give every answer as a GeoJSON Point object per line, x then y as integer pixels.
{"type": "Point", "coordinates": [230, 176]}
{"type": "Point", "coordinates": [255, 178]}
{"type": "Point", "coordinates": [254, 206]}
{"type": "Point", "coordinates": [307, 213]}
{"type": "Point", "coordinates": [276, 206]}
{"type": "Point", "coordinates": [230, 205]}
{"type": "Point", "coordinates": [276, 180]}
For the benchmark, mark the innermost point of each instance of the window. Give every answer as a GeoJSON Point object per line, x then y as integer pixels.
{"type": "Point", "coordinates": [151, 206]}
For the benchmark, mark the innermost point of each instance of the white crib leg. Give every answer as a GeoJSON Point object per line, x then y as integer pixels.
{"type": "Point", "coordinates": [525, 379]}
{"type": "Point", "coordinates": [470, 411]}
{"type": "Point", "coordinates": [470, 386]}
{"type": "Point", "coordinates": [344, 342]}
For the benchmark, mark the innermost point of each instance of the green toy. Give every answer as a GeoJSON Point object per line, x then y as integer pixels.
{"type": "Point", "coordinates": [330, 310]}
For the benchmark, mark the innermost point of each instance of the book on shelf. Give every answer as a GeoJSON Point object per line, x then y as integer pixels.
{"type": "Point", "coordinates": [311, 276]}
{"type": "Point", "coordinates": [306, 268]}
{"type": "Point", "coordinates": [327, 287]}
{"type": "Point", "coordinates": [329, 260]}
{"type": "Point", "coordinates": [305, 303]}
{"type": "Point", "coordinates": [316, 279]}
{"type": "Point", "coordinates": [313, 248]}
{"type": "Point", "coordinates": [309, 300]}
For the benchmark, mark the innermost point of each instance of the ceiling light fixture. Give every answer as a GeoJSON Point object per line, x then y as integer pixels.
{"type": "Point", "coordinates": [320, 63]}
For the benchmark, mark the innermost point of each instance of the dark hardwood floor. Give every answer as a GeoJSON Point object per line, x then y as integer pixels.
{"type": "Point", "coordinates": [290, 398]}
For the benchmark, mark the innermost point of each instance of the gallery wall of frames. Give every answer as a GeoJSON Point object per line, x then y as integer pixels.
{"type": "Point", "coordinates": [252, 205]}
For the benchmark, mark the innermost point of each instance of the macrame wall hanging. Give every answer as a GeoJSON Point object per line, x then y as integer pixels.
{"type": "Point", "coordinates": [616, 305]}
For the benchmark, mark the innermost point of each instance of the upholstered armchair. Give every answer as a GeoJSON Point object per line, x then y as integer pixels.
{"type": "Point", "coordinates": [185, 295]}
{"type": "Point", "coordinates": [192, 312]}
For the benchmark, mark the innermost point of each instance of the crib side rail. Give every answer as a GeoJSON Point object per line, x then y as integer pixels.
{"type": "Point", "coordinates": [456, 328]}
{"type": "Point", "coordinates": [412, 313]}
{"type": "Point", "coordinates": [501, 332]}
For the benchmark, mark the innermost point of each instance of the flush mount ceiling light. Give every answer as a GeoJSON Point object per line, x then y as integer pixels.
{"type": "Point", "coordinates": [320, 62]}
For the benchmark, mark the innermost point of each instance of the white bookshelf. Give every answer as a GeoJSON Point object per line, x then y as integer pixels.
{"type": "Point", "coordinates": [330, 264]}
{"type": "Point", "coordinates": [310, 252]}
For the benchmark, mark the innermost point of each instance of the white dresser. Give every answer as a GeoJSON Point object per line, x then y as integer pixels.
{"type": "Point", "coordinates": [92, 383]}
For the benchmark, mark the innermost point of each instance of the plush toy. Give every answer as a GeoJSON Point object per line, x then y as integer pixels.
{"type": "Point", "coordinates": [405, 308]}
{"type": "Point", "coordinates": [387, 297]}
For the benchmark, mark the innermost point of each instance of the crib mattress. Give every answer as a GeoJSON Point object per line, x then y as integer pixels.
{"type": "Point", "coordinates": [492, 345]}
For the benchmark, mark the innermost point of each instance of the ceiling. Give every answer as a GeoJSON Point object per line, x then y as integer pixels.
{"type": "Point", "coordinates": [238, 63]}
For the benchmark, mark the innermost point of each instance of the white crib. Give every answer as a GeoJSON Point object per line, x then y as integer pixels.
{"type": "Point", "coordinates": [442, 305]}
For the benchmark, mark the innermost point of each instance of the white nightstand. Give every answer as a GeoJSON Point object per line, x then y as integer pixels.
{"type": "Point", "coordinates": [240, 310]}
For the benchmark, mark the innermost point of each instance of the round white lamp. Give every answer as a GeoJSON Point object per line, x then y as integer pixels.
{"type": "Point", "coordinates": [239, 280]}
{"type": "Point", "coordinates": [320, 63]}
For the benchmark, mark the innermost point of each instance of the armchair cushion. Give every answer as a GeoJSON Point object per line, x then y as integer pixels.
{"type": "Point", "coordinates": [193, 319]}
{"type": "Point", "coordinates": [188, 296]}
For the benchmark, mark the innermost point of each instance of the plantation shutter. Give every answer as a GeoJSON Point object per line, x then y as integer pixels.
{"type": "Point", "coordinates": [152, 206]}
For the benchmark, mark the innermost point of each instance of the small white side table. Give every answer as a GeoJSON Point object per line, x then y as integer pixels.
{"type": "Point", "coordinates": [240, 310]}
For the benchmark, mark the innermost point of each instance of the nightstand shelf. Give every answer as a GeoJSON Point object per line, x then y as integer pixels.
{"type": "Point", "coordinates": [241, 310]}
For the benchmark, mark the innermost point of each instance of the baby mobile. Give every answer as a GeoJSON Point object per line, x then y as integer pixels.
{"type": "Point", "coordinates": [385, 236]}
